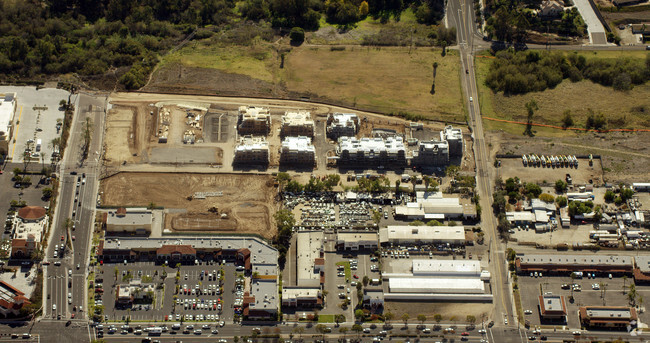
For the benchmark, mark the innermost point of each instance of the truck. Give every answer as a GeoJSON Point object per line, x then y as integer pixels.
{"type": "Point", "coordinates": [38, 145]}
{"type": "Point", "coordinates": [155, 331]}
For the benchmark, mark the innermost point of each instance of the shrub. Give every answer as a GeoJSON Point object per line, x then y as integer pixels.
{"type": "Point", "coordinates": [297, 35]}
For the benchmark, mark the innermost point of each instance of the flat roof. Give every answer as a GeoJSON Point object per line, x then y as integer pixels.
{"type": "Point", "coordinates": [520, 216]}
{"type": "Point", "coordinates": [7, 103]}
{"type": "Point", "coordinates": [297, 118]}
{"type": "Point", "coordinates": [600, 312]}
{"type": "Point", "coordinates": [391, 145]}
{"type": "Point", "coordinates": [250, 143]}
{"type": "Point", "coordinates": [552, 303]}
{"type": "Point", "coordinates": [300, 143]}
{"type": "Point", "coordinates": [133, 216]}
{"type": "Point", "coordinates": [260, 251]}
{"type": "Point", "coordinates": [586, 260]}
{"type": "Point", "coordinates": [308, 248]}
{"type": "Point", "coordinates": [266, 294]}
{"type": "Point", "coordinates": [446, 267]}
{"type": "Point", "coordinates": [424, 233]}
{"type": "Point", "coordinates": [643, 263]}
{"type": "Point", "coordinates": [356, 236]}
{"type": "Point", "coordinates": [300, 292]}
{"type": "Point", "coordinates": [435, 285]}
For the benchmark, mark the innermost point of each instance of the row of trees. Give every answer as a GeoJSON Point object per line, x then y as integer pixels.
{"type": "Point", "coordinates": [534, 71]}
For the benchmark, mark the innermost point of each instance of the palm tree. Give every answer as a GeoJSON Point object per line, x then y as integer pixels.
{"type": "Point", "coordinates": [624, 280]}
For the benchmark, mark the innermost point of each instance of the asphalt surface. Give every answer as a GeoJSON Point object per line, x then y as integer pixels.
{"type": "Point", "coordinates": [77, 202]}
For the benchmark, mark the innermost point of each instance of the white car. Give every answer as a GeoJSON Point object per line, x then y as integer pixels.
{"type": "Point", "coordinates": [528, 312]}
{"type": "Point", "coordinates": [471, 99]}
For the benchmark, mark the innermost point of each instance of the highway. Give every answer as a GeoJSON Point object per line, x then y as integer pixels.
{"type": "Point", "coordinates": [76, 201]}
{"type": "Point", "coordinates": [460, 14]}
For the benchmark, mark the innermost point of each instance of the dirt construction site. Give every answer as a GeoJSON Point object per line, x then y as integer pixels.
{"type": "Point", "coordinates": [216, 203]}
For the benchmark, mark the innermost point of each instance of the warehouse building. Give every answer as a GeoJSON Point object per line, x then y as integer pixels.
{"type": "Point", "coordinates": [432, 154]}
{"type": "Point", "coordinates": [301, 296]}
{"type": "Point", "coordinates": [354, 241]}
{"type": "Point", "coordinates": [310, 262]}
{"type": "Point", "coordinates": [454, 138]}
{"type": "Point", "coordinates": [342, 124]}
{"type": "Point", "coordinates": [374, 151]}
{"type": "Point", "coordinates": [607, 317]}
{"type": "Point", "coordinates": [252, 150]}
{"type": "Point", "coordinates": [297, 123]}
{"type": "Point", "coordinates": [254, 120]}
{"type": "Point", "coordinates": [436, 285]}
{"type": "Point", "coordinates": [565, 264]}
{"type": "Point", "coordinates": [417, 235]}
{"type": "Point", "coordinates": [8, 105]}
{"type": "Point", "coordinates": [297, 151]}
{"type": "Point", "coordinates": [552, 308]}
{"type": "Point", "coordinates": [136, 221]}
{"type": "Point", "coordinates": [439, 268]}
{"type": "Point", "coordinates": [436, 208]}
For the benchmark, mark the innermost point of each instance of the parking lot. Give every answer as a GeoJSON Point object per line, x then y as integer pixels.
{"type": "Point", "coordinates": [36, 118]}
{"type": "Point", "coordinates": [198, 297]}
{"type": "Point", "coordinates": [598, 291]}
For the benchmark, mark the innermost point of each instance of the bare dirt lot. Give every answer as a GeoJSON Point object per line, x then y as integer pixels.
{"type": "Point", "coordinates": [247, 200]}
{"type": "Point", "coordinates": [450, 311]}
{"type": "Point", "coordinates": [511, 167]}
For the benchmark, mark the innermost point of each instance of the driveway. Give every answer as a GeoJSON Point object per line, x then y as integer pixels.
{"type": "Point", "coordinates": [596, 30]}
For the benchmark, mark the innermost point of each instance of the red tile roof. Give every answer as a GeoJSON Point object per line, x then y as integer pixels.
{"type": "Point", "coordinates": [170, 249]}
{"type": "Point", "coordinates": [31, 212]}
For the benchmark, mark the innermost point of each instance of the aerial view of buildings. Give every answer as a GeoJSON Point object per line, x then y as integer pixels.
{"type": "Point", "coordinates": [327, 171]}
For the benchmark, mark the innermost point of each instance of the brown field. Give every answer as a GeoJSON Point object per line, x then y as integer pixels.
{"type": "Point", "coordinates": [248, 200]}
{"type": "Point", "coordinates": [450, 311]}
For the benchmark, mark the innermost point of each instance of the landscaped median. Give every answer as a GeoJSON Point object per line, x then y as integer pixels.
{"type": "Point", "coordinates": [348, 272]}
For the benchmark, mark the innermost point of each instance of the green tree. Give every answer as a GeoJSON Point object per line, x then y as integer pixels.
{"type": "Point", "coordinates": [359, 314]}
{"type": "Point", "coordinates": [470, 319]}
{"type": "Point", "coordinates": [627, 193]}
{"type": "Point", "coordinates": [561, 201]}
{"type": "Point", "coordinates": [567, 120]}
{"type": "Point", "coordinates": [531, 107]}
{"type": "Point", "coordinates": [437, 317]}
{"type": "Point", "coordinates": [47, 193]}
{"type": "Point", "coordinates": [297, 35]}
{"type": "Point", "coordinates": [405, 318]}
{"type": "Point", "coordinates": [343, 330]}
{"type": "Point", "coordinates": [357, 328]}
{"type": "Point", "coordinates": [388, 316]}
{"type": "Point", "coordinates": [365, 280]}
{"type": "Point", "coordinates": [609, 196]}
{"type": "Point", "coordinates": [339, 318]}
{"type": "Point", "coordinates": [561, 186]}
{"type": "Point", "coordinates": [545, 197]}
{"type": "Point", "coordinates": [422, 318]}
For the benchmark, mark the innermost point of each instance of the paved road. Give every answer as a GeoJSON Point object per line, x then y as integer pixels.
{"type": "Point", "coordinates": [461, 15]}
{"type": "Point", "coordinates": [594, 26]}
{"type": "Point", "coordinates": [77, 202]}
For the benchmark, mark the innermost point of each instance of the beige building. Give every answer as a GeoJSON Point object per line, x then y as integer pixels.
{"type": "Point", "coordinates": [252, 150]}
{"type": "Point", "coordinates": [254, 120]}
{"type": "Point", "coordinates": [129, 221]}
{"type": "Point", "coordinates": [297, 123]}
{"type": "Point", "coordinates": [297, 151]}
{"type": "Point", "coordinates": [8, 106]}
{"type": "Point", "coordinates": [342, 124]}
{"type": "Point", "coordinates": [29, 225]}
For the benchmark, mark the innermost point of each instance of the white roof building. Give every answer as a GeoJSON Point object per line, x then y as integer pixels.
{"type": "Point", "coordinates": [377, 150]}
{"type": "Point", "coordinates": [254, 120]}
{"type": "Point", "coordinates": [342, 124]}
{"type": "Point", "coordinates": [252, 149]}
{"type": "Point", "coordinates": [455, 268]}
{"type": "Point", "coordinates": [7, 112]}
{"type": "Point", "coordinates": [309, 261]}
{"type": "Point", "coordinates": [404, 234]}
{"type": "Point", "coordinates": [436, 285]}
{"type": "Point", "coordinates": [297, 150]}
{"type": "Point", "coordinates": [297, 123]}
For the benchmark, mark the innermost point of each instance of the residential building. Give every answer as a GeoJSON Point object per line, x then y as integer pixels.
{"type": "Point", "coordinates": [297, 123]}
{"type": "Point", "coordinates": [8, 105]}
{"type": "Point", "coordinates": [454, 138]}
{"type": "Point", "coordinates": [254, 121]}
{"type": "Point", "coordinates": [564, 264]}
{"type": "Point", "coordinates": [375, 151]}
{"type": "Point", "coordinates": [551, 9]}
{"type": "Point", "coordinates": [342, 124]}
{"type": "Point", "coordinates": [552, 308]}
{"type": "Point", "coordinates": [297, 151]}
{"type": "Point", "coordinates": [417, 235]}
{"type": "Point", "coordinates": [252, 150]}
{"type": "Point", "coordinates": [11, 300]}
{"type": "Point", "coordinates": [136, 221]}
{"type": "Point", "coordinates": [432, 154]}
{"type": "Point", "coordinates": [607, 317]}
{"type": "Point", "coordinates": [29, 224]}
{"type": "Point", "coordinates": [354, 241]}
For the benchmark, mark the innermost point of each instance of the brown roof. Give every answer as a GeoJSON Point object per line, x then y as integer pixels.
{"type": "Point", "coordinates": [100, 248]}
{"type": "Point", "coordinates": [18, 243]}
{"type": "Point", "coordinates": [31, 212]}
{"type": "Point", "coordinates": [170, 249]}
{"type": "Point", "coordinates": [319, 261]}
{"type": "Point", "coordinates": [12, 288]}
{"type": "Point", "coordinates": [121, 211]}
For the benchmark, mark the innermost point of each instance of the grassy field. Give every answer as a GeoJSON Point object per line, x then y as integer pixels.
{"type": "Point", "coordinates": [622, 109]}
{"type": "Point", "coordinates": [383, 80]}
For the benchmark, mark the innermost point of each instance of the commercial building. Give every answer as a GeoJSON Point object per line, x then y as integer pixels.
{"type": "Point", "coordinates": [610, 317]}
{"type": "Point", "coordinates": [375, 151]}
{"type": "Point", "coordinates": [552, 308]}
{"type": "Point", "coordinates": [261, 300]}
{"type": "Point", "coordinates": [354, 241]}
{"type": "Point", "coordinates": [297, 123]}
{"type": "Point", "coordinates": [128, 294]}
{"type": "Point", "coordinates": [436, 208]}
{"type": "Point", "coordinates": [29, 225]}
{"type": "Point", "coordinates": [642, 270]}
{"type": "Point", "coordinates": [297, 151]}
{"type": "Point", "coordinates": [302, 296]}
{"type": "Point", "coordinates": [252, 150]}
{"type": "Point", "coordinates": [8, 104]}
{"type": "Point", "coordinates": [447, 268]}
{"type": "Point", "coordinates": [136, 221]}
{"type": "Point", "coordinates": [416, 235]}
{"type": "Point", "coordinates": [565, 264]}
{"type": "Point", "coordinates": [436, 285]}
{"type": "Point", "coordinates": [342, 124]}
{"type": "Point", "coordinates": [11, 300]}
{"type": "Point", "coordinates": [310, 262]}
{"type": "Point", "coordinates": [432, 154]}
{"type": "Point", "coordinates": [373, 298]}
{"type": "Point", "coordinates": [521, 218]}
{"type": "Point", "coordinates": [254, 121]}
{"type": "Point", "coordinates": [454, 138]}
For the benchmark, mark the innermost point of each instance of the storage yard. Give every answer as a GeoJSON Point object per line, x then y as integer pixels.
{"type": "Point", "coordinates": [244, 203]}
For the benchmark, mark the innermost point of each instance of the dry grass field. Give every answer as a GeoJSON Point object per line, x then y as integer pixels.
{"type": "Point", "coordinates": [377, 79]}
{"type": "Point", "coordinates": [622, 109]}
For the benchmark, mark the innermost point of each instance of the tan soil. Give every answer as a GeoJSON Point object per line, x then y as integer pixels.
{"type": "Point", "coordinates": [248, 200]}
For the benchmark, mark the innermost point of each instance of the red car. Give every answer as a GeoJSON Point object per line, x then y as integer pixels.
{"type": "Point", "coordinates": [62, 238]}
{"type": "Point", "coordinates": [356, 276]}
{"type": "Point", "coordinates": [465, 334]}
{"type": "Point", "coordinates": [72, 316]}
